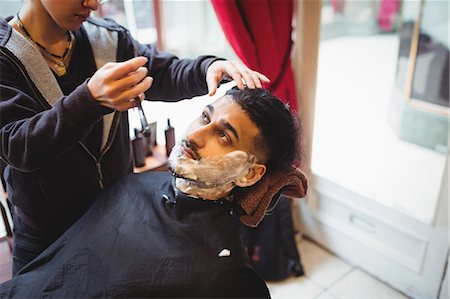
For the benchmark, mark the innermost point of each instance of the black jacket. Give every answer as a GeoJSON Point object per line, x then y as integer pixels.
{"type": "Point", "coordinates": [144, 238]}
{"type": "Point", "coordinates": [50, 174]}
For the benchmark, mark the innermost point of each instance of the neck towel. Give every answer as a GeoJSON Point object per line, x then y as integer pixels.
{"type": "Point", "coordinates": [255, 200]}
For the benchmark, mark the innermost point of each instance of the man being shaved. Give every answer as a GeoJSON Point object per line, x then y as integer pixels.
{"type": "Point", "coordinates": [175, 234]}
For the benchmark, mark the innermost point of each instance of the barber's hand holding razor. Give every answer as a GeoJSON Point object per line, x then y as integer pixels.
{"type": "Point", "coordinates": [116, 85]}
{"type": "Point", "coordinates": [236, 71]}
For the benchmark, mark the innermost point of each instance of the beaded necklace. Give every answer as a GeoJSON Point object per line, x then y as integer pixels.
{"type": "Point", "coordinates": [59, 63]}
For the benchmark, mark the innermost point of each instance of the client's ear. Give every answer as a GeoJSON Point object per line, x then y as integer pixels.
{"type": "Point", "coordinates": [255, 173]}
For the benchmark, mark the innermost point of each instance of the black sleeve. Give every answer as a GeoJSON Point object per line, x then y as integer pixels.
{"type": "Point", "coordinates": [32, 134]}
{"type": "Point", "coordinates": [174, 79]}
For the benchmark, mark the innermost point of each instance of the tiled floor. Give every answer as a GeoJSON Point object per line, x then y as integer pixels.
{"type": "Point", "coordinates": [327, 276]}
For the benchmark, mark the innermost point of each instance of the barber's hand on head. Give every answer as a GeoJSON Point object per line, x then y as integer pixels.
{"type": "Point", "coordinates": [237, 71]}
{"type": "Point", "coordinates": [117, 84]}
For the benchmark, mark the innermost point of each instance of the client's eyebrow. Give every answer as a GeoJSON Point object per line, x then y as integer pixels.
{"type": "Point", "coordinates": [224, 123]}
{"type": "Point", "coordinates": [230, 127]}
{"type": "Point", "coordinates": [210, 108]}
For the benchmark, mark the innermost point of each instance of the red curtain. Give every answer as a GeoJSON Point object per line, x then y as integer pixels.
{"type": "Point", "coordinates": [260, 33]}
{"type": "Point", "coordinates": [387, 13]}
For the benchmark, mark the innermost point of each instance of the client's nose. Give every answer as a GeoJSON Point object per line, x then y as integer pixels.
{"type": "Point", "coordinates": [197, 138]}
{"type": "Point", "coordinates": [191, 145]}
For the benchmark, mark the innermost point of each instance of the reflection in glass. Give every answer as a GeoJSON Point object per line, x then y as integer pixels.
{"type": "Point", "coordinates": [431, 69]}
{"type": "Point", "coordinates": [420, 97]}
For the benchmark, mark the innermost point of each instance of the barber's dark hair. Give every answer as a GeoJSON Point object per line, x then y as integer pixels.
{"type": "Point", "coordinates": [280, 128]}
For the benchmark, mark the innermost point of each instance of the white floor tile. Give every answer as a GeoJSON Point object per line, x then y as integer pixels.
{"type": "Point", "coordinates": [359, 284]}
{"type": "Point", "coordinates": [326, 295]}
{"type": "Point", "coordinates": [322, 267]}
{"type": "Point", "coordinates": [295, 287]}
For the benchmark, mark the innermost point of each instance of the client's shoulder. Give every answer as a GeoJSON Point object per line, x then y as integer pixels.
{"type": "Point", "coordinates": [146, 178]}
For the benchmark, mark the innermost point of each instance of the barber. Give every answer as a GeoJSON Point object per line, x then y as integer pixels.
{"type": "Point", "coordinates": [66, 83]}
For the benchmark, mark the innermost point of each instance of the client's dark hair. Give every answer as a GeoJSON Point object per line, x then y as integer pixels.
{"type": "Point", "coordinates": [279, 127]}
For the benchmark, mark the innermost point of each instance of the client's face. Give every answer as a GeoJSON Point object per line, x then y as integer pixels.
{"type": "Point", "coordinates": [221, 128]}
{"type": "Point", "coordinates": [218, 150]}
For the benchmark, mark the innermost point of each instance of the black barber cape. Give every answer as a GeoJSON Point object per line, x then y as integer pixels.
{"type": "Point", "coordinates": [143, 238]}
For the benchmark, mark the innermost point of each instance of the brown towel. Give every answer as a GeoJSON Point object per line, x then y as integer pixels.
{"type": "Point", "coordinates": [255, 199]}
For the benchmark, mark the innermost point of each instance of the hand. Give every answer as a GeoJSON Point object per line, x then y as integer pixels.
{"type": "Point", "coordinates": [117, 84]}
{"type": "Point", "coordinates": [236, 70]}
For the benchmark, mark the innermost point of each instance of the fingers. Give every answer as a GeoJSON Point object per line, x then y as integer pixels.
{"type": "Point", "coordinates": [127, 99]}
{"type": "Point", "coordinates": [234, 73]}
{"type": "Point", "coordinates": [131, 79]}
{"type": "Point", "coordinates": [114, 96]}
{"type": "Point", "coordinates": [262, 77]}
{"type": "Point", "coordinates": [258, 79]}
{"type": "Point", "coordinates": [246, 75]}
{"type": "Point", "coordinates": [212, 85]}
{"type": "Point", "coordinates": [141, 97]}
{"type": "Point", "coordinates": [252, 79]}
{"type": "Point", "coordinates": [241, 74]}
{"type": "Point", "coordinates": [136, 90]}
{"type": "Point", "coordinates": [116, 85]}
{"type": "Point", "coordinates": [118, 70]}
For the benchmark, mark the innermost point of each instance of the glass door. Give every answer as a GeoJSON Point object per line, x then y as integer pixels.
{"type": "Point", "coordinates": [368, 136]}
{"type": "Point", "coordinates": [373, 96]}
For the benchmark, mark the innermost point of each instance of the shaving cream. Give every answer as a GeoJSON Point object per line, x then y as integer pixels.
{"type": "Point", "coordinates": [210, 177]}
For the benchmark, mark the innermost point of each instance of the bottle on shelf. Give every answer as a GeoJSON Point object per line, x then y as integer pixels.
{"type": "Point", "coordinates": [139, 148]}
{"type": "Point", "coordinates": [169, 133]}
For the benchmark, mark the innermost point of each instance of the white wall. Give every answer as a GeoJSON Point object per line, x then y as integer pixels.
{"type": "Point", "coordinates": [9, 7]}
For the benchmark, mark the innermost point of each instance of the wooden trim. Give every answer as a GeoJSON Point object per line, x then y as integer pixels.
{"type": "Point", "coordinates": [305, 62]}
{"type": "Point", "coordinates": [428, 107]}
{"type": "Point", "coordinates": [305, 67]}
{"type": "Point", "coordinates": [413, 52]}
{"type": "Point", "coordinates": [419, 103]}
{"type": "Point", "coordinates": [158, 14]}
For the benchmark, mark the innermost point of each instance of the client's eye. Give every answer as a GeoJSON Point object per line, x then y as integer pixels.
{"type": "Point", "coordinates": [224, 137]}
{"type": "Point", "coordinates": [205, 117]}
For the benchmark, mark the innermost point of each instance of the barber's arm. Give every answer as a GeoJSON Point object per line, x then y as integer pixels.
{"type": "Point", "coordinates": [175, 79]}
{"type": "Point", "coordinates": [32, 137]}
{"type": "Point", "coordinates": [33, 134]}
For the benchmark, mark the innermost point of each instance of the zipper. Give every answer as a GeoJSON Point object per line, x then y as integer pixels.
{"type": "Point", "coordinates": [98, 162]}
{"type": "Point", "coordinates": [99, 169]}
{"type": "Point", "coordinates": [46, 105]}
{"type": "Point", "coordinates": [98, 165]}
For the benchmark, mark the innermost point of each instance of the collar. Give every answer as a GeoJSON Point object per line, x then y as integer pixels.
{"type": "Point", "coordinates": [181, 197]}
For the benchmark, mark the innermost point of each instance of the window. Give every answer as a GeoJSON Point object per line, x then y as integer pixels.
{"type": "Point", "coordinates": [363, 124]}
{"type": "Point", "coordinates": [137, 16]}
